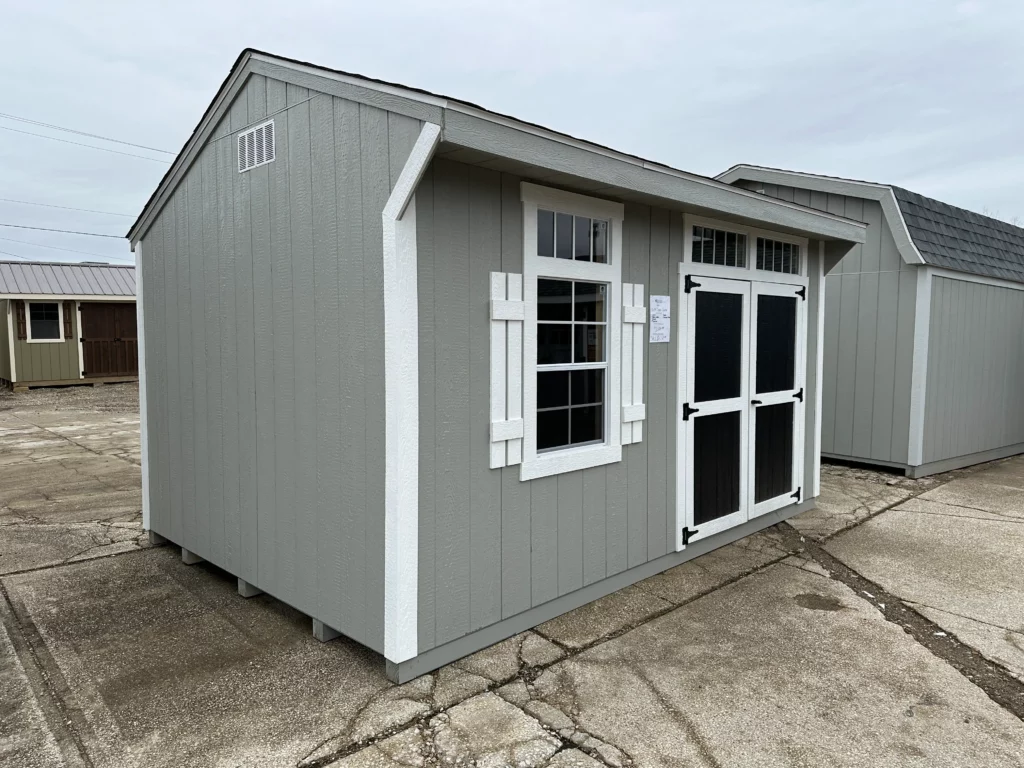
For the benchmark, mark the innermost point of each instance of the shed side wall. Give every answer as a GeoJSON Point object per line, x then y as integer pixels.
{"type": "Point", "coordinates": [5, 342]}
{"type": "Point", "coordinates": [973, 396]}
{"type": "Point", "coordinates": [48, 362]}
{"type": "Point", "coordinates": [492, 546]}
{"type": "Point", "coordinates": [264, 319]}
{"type": "Point", "coordinates": [869, 335]}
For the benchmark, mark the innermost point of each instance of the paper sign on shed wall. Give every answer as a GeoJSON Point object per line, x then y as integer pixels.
{"type": "Point", "coordinates": [661, 319]}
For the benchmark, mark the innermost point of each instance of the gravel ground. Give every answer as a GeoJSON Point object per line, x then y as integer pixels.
{"type": "Point", "coordinates": [109, 398]}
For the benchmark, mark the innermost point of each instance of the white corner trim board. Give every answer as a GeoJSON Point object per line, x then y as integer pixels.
{"type": "Point", "coordinates": [508, 313]}
{"type": "Point", "coordinates": [10, 339]}
{"type": "Point", "coordinates": [401, 410]}
{"type": "Point", "coordinates": [143, 399]}
{"type": "Point", "coordinates": [919, 370]}
{"type": "Point", "coordinates": [819, 367]}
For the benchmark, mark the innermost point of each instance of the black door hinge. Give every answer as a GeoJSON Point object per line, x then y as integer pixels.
{"type": "Point", "coordinates": [689, 534]}
{"type": "Point", "coordinates": [800, 395]}
{"type": "Point", "coordinates": [687, 410]}
{"type": "Point", "coordinates": [689, 285]}
{"type": "Point", "coordinates": [802, 293]}
{"type": "Point", "coordinates": [796, 494]}
{"type": "Point", "coordinates": [82, 339]}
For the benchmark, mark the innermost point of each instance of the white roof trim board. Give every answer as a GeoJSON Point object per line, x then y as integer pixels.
{"type": "Point", "coordinates": [458, 126]}
{"type": "Point", "coordinates": [26, 279]}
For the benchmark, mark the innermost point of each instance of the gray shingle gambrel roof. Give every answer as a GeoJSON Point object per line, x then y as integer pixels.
{"type": "Point", "coordinates": [19, 278]}
{"type": "Point", "coordinates": [947, 236]}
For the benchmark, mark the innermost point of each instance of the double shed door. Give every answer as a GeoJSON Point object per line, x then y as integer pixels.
{"type": "Point", "coordinates": [110, 339]}
{"type": "Point", "coordinates": [742, 389]}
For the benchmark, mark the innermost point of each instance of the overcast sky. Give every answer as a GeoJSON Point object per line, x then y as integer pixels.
{"type": "Point", "coordinates": [926, 94]}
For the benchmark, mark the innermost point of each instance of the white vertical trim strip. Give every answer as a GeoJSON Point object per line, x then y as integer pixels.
{"type": "Point", "coordinates": [637, 331]}
{"type": "Point", "coordinates": [819, 364]}
{"type": "Point", "coordinates": [10, 338]}
{"type": "Point", "coordinates": [81, 346]}
{"type": "Point", "coordinates": [919, 375]}
{"type": "Point", "coordinates": [401, 411]}
{"type": "Point", "coordinates": [514, 346]}
{"type": "Point", "coordinates": [499, 374]}
{"type": "Point", "coordinates": [143, 396]}
{"type": "Point", "coordinates": [627, 364]}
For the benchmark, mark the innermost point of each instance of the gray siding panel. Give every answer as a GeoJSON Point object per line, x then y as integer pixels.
{"type": "Point", "coordinates": [869, 316]}
{"type": "Point", "coordinates": [975, 366]}
{"type": "Point", "coordinates": [263, 318]}
{"type": "Point", "coordinates": [553, 535]}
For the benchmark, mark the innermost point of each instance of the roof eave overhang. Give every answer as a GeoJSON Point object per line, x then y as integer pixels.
{"type": "Point", "coordinates": [472, 127]}
{"type": "Point", "coordinates": [829, 185]}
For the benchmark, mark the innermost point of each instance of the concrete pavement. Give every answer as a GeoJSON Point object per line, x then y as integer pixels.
{"type": "Point", "coordinates": [116, 654]}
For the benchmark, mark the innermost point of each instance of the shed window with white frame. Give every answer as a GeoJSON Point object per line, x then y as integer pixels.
{"type": "Point", "coordinates": [560, 346]}
{"type": "Point", "coordinates": [45, 319]}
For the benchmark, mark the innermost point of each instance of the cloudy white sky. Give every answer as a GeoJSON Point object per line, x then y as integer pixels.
{"type": "Point", "coordinates": [921, 93]}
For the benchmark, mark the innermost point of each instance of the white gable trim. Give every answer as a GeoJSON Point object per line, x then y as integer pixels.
{"type": "Point", "coordinates": [401, 410]}
{"type": "Point", "coordinates": [862, 189]}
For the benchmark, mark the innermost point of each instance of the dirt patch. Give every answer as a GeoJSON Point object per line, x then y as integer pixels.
{"type": "Point", "coordinates": [815, 602]}
{"type": "Point", "coordinates": [109, 398]}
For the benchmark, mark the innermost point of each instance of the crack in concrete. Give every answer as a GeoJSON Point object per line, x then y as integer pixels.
{"type": "Point", "coordinates": [117, 455]}
{"type": "Point", "coordinates": [1007, 519]}
{"type": "Point", "coordinates": [1019, 631]}
{"type": "Point", "coordinates": [994, 680]}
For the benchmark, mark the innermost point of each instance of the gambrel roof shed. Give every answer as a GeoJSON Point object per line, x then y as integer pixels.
{"type": "Point", "coordinates": [401, 372]}
{"type": "Point", "coordinates": [923, 326]}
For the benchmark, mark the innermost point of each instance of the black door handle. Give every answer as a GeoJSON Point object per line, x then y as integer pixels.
{"type": "Point", "coordinates": [755, 402]}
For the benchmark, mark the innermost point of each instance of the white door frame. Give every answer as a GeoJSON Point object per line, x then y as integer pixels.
{"type": "Point", "coordinates": [778, 398]}
{"type": "Point", "coordinates": [749, 284]}
{"type": "Point", "coordinates": [740, 404]}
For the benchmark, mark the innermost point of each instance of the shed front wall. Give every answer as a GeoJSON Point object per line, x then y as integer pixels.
{"type": "Point", "coordinates": [869, 335]}
{"type": "Point", "coordinates": [492, 546]}
{"type": "Point", "coordinates": [50, 361]}
{"type": "Point", "coordinates": [974, 400]}
{"type": "Point", "coordinates": [264, 351]}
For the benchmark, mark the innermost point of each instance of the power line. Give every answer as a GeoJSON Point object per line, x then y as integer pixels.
{"type": "Point", "coordinates": [64, 231]}
{"type": "Point", "coordinates": [8, 253]}
{"type": "Point", "coordinates": [80, 144]}
{"type": "Point", "coordinates": [58, 248]}
{"type": "Point", "coordinates": [83, 133]}
{"type": "Point", "coordinates": [65, 207]}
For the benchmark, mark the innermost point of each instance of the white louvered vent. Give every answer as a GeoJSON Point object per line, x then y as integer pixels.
{"type": "Point", "coordinates": [256, 146]}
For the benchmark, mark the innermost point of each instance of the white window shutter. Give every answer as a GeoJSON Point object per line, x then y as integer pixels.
{"type": "Point", "coordinates": [507, 316]}
{"type": "Point", "coordinates": [634, 317]}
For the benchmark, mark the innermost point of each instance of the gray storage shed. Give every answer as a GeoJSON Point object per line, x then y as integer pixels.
{"type": "Point", "coordinates": [400, 372]}
{"type": "Point", "coordinates": [64, 324]}
{"type": "Point", "coordinates": [924, 328]}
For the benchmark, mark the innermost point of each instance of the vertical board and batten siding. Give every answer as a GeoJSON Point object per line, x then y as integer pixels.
{"type": "Point", "coordinates": [5, 342]}
{"type": "Point", "coordinates": [973, 398]}
{"type": "Point", "coordinates": [490, 545]}
{"type": "Point", "coordinates": [264, 319]}
{"type": "Point", "coordinates": [57, 361]}
{"type": "Point", "coordinates": [869, 335]}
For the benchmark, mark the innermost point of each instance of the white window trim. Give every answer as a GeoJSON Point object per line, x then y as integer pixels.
{"type": "Point", "coordinates": [60, 323]}
{"type": "Point", "coordinates": [536, 465]}
{"type": "Point", "coordinates": [750, 271]}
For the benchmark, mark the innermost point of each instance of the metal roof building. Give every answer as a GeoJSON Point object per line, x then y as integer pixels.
{"type": "Point", "coordinates": [924, 326]}
{"type": "Point", "coordinates": [66, 324]}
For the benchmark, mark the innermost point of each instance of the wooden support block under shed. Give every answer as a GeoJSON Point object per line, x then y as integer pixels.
{"type": "Point", "coordinates": [156, 539]}
{"type": "Point", "coordinates": [245, 589]}
{"type": "Point", "coordinates": [323, 633]}
{"type": "Point", "coordinates": [190, 558]}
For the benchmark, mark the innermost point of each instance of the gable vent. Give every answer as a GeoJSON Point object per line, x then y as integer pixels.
{"type": "Point", "coordinates": [256, 146]}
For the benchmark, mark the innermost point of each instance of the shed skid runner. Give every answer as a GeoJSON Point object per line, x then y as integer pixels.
{"type": "Point", "coordinates": [433, 375]}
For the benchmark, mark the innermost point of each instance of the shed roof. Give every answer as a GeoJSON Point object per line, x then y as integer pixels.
{"type": "Point", "coordinates": [22, 278]}
{"type": "Point", "coordinates": [557, 156]}
{"type": "Point", "coordinates": [938, 233]}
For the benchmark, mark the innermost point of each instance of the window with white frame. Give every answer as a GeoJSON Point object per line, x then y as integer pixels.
{"type": "Point", "coordinates": [777, 256]}
{"type": "Point", "coordinates": [729, 249]}
{"type": "Point", "coordinates": [44, 321]}
{"type": "Point", "coordinates": [572, 291]}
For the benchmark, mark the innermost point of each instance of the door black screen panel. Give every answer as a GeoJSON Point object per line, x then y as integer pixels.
{"type": "Point", "coordinates": [776, 343]}
{"type": "Point", "coordinates": [718, 338]}
{"type": "Point", "coordinates": [773, 451]}
{"type": "Point", "coordinates": [716, 466]}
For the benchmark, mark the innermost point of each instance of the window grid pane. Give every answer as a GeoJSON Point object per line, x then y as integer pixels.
{"type": "Point", "coordinates": [777, 256]}
{"type": "Point", "coordinates": [564, 236]}
{"type": "Point", "coordinates": [571, 335]}
{"type": "Point", "coordinates": [717, 246]}
{"type": "Point", "coordinates": [45, 320]}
